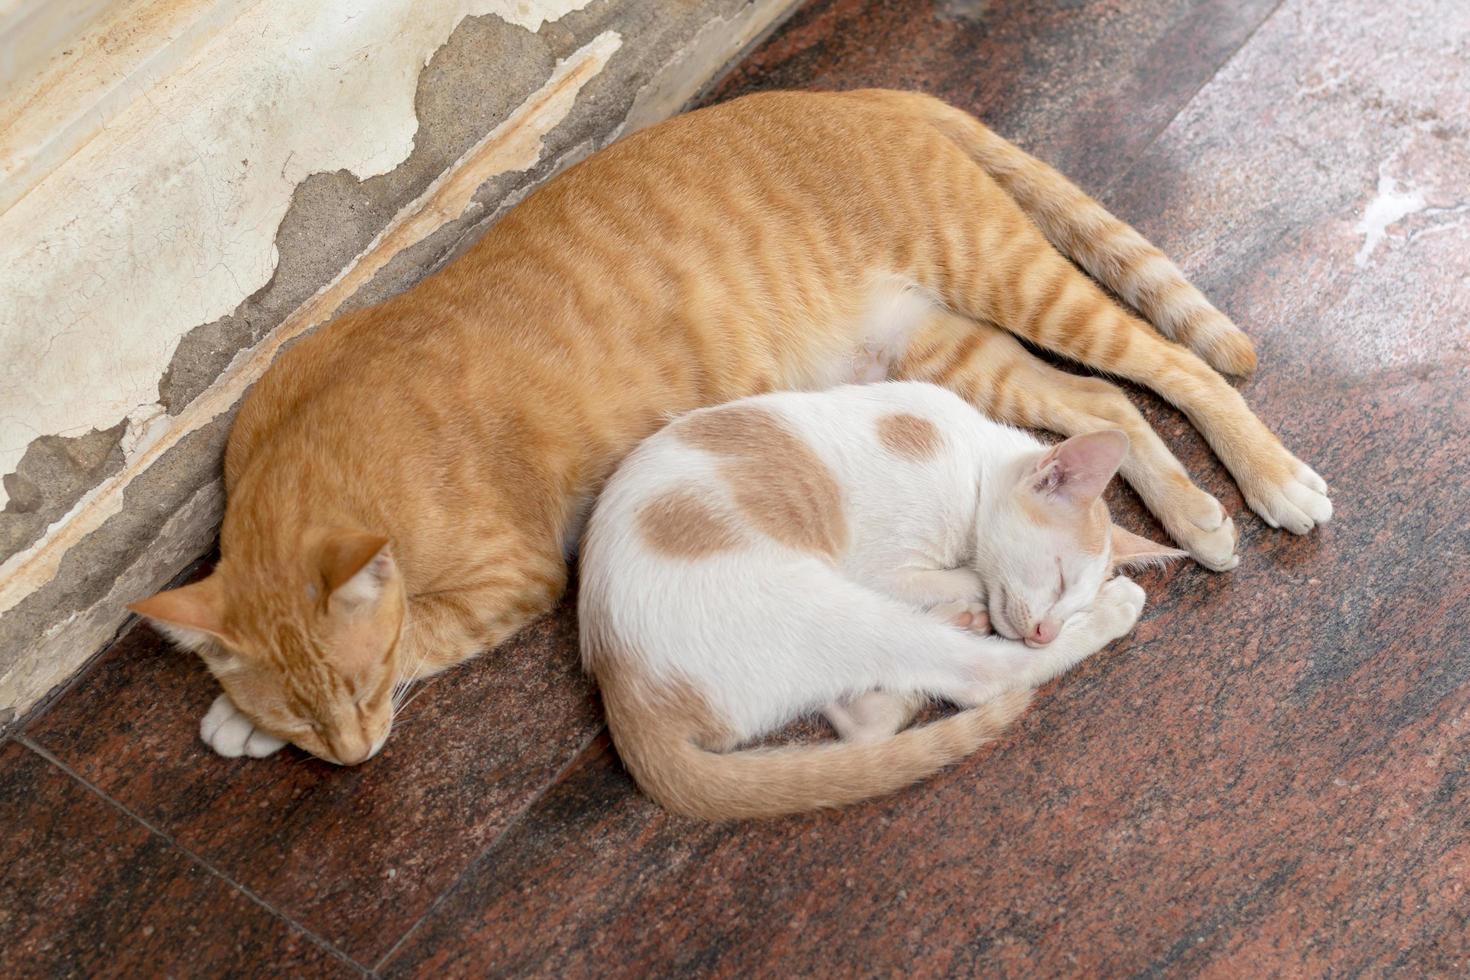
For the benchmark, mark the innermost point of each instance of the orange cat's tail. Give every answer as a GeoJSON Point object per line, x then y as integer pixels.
{"type": "Point", "coordinates": [1109, 249]}
{"type": "Point", "coordinates": [659, 748]}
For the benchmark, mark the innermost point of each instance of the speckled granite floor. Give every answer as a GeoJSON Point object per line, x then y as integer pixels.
{"type": "Point", "coordinates": [1268, 777]}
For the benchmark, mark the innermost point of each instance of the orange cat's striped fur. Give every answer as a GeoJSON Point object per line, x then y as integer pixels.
{"type": "Point", "coordinates": [404, 485]}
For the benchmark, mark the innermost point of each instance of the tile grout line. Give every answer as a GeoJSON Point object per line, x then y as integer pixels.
{"type": "Point", "coordinates": [490, 847]}
{"type": "Point", "coordinates": [332, 950]}
{"type": "Point", "coordinates": [1154, 137]}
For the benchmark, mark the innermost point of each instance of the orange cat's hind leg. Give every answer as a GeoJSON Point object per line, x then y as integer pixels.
{"type": "Point", "coordinates": [993, 371]}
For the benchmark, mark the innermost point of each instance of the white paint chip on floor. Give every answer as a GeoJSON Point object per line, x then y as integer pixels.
{"type": "Point", "coordinates": [1391, 205]}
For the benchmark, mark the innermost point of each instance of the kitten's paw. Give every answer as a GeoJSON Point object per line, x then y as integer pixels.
{"type": "Point", "coordinates": [1200, 525]}
{"type": "Point", "coordinates": [232, 735]}
{"type": "Point", "coordinates": [1116, 608]}
{"type": "Point", "coordinates": [1295, 499]}
{"type": "Point", "coordinates": [965, 614]}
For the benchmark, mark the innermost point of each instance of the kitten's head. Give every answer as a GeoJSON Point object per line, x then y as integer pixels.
{"type": "Point", "coordinates": [310, 653]}
{"type": "Point", "coordinates": [1047, 543]}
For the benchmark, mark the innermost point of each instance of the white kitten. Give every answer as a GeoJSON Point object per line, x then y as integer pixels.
{"type": "Point", "coordinates": [841, 551]}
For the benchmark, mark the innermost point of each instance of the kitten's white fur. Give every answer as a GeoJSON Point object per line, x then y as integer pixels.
{"type": "Point", "coordinates": [767, 633]}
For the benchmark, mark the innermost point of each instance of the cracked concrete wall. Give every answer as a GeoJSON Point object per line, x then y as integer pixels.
{"type": "Point", "coordinates": [148, 280]}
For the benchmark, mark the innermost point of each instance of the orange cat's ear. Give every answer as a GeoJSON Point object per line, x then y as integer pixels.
{"type": "Point", "coordinates": [1132, 551]}
{"type": "Point", "coordinates": [356, 568]}
{"type": "Point", "coordinates": [190, 616]}
{"type": "Point", "coordinates": [1078, 470]}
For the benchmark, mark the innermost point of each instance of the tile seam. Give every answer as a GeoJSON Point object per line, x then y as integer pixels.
{"type": "Point", "coordinates": [188, 853]}
{"type": "Point", "coordinates": [475, 862]}
{"type": "Point", "coordinates": [1157, 134]}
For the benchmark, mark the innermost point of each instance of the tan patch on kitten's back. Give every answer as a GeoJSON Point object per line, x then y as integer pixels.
{"type": "Point", "coordinates": [679, 524]}
{"type": "Point", "coordinates": [779, 483]}
{"type": "Point", "coordinates": [909, 436]}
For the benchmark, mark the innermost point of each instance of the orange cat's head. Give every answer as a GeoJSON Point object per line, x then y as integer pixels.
{"type": "Point", "coordinates": [310, 653]}
{"type": "Point", "coordinates": [1048, 543]}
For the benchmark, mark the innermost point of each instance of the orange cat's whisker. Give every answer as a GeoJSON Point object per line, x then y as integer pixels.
{"type": "Point", "coordinates": [401, 708]}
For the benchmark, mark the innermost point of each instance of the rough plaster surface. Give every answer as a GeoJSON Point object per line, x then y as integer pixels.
{"type": "Point", "coordinates": [68, 67]}
{"type": "Point", "coordinates": [134, 506]}
{"type": "Point", "coordinates": [168, 219]}
{"type": "Point", "coordinates": [683, 77]}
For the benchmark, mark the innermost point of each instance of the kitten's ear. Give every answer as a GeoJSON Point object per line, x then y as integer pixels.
{"type": "Point", "coordinates": [1132, 551]}
{"type": "Point", "coordinates": [356, 567]}
{"type": "Point", "coordinates": [190, 616]}
{"type": "Point", "coordinates": [1078, 469]}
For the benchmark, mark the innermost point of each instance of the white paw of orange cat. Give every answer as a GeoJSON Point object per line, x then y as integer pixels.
{"type": "Point", "coordinates": [232, 735]}
{"type": "Point", "coordinates": [1296, 499]}
{"type": "Point", "coordinates": [965, 614]}
{"type": "Point", "coordinates": [1200, 525]}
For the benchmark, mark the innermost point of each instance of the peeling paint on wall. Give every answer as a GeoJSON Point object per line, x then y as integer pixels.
{"type": "Point", "coordinates": [68, 67]}
{"type": "Point", "coordinates": [513, 145]}
{"type": "Point", "coordinates": [104, 267]}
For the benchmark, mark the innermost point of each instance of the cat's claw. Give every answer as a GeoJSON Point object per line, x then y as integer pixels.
{"type": "Point", "coordinates": [1298, 502]}
{"type": "Point", "coordinates": [226, 730]}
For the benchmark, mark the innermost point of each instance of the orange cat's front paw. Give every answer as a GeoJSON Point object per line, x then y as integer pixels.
{"type": "Point", "coordinates": [1198, 522]}
{"type": "Point", "coordinates": [1288, 494]}
{"type": "Point", "coordinates": [227, 730]}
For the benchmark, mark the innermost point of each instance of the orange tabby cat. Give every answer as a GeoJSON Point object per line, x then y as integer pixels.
{"type": "Point", "coordinates": [404, 485]}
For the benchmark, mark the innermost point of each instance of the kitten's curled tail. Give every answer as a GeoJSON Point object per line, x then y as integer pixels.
{"type": "Point", "coordinates": [658, 737]}
{"type": "Point", "coordinates": [1082, 229]}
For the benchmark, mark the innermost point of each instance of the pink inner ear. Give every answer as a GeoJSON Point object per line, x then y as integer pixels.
{"type": "Point", "coordinates": [1078, 470]}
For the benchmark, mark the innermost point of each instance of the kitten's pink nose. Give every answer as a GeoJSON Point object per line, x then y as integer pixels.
{"type": "Point", "coordinates": [1042, 633]}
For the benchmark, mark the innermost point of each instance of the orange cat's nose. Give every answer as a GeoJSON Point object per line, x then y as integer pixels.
{"type": "Point", "coordinates": [358, 756]}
